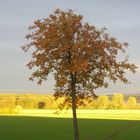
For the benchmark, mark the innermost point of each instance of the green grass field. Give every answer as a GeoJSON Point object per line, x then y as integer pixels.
{"type": "Point", "coordinates": [29, 125]}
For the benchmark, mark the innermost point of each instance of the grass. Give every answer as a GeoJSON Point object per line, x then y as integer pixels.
{"type": "Point", "coordinates": [31, 126]}
{"type": "Point", "coordinates": [88, 114]}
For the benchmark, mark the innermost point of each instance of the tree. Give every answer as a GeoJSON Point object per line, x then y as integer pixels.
{"type": "Point", "coordinates": [7, 104]}
{"type": "Point", "coordinates": [80, 57]}
{"type": "Point", "coordinates": [41, 105]}
{"type": "Point", "coordinates": [132, 102]}
{"type": "Point", "coordinates": [118, 101]}
{"type": "Point", "coordinates": [103, 102]}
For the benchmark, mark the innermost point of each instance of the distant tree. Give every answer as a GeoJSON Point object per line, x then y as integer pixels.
{"type": "Point", "coordinates": [27, 101]}
{"type": "Point", "coordinates": [41, 105]}
{"type": "Point", "coordinates": [132, 102]}
{"type": "Point", "coordinates": [118, 101]}
{"type": "Point", "coordinates": [80, 56]}
{"type": "Point", "coordinates": [103, 102]}
{"type": "Point", "coordinates": [7, 104]}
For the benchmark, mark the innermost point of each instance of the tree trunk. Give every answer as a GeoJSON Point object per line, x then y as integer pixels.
{"type": "Point", "coordinates": [75, 123]}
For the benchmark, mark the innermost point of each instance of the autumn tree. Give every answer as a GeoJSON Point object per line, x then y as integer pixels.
{"type": "Point", "coordinates": [80, 56]}
{"type": "Point", "coordinates": [132, 102]}
{"type": "Point", "coordinates": [7, 104]}
{"type": "Point", "coordinates": [118, 101]}
{"type": "Point", "coordinates": [103, 102]}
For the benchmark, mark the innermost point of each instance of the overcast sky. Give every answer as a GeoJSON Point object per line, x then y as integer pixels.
{"type": "Point", "coordinates": [120, 17]}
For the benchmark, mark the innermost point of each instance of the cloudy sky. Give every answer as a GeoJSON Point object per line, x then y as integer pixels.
{"type": "Point", "coordinates": [121, 18]}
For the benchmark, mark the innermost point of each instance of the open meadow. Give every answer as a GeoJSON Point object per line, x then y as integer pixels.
{"type": "Point", "coordinates": [93, 125]}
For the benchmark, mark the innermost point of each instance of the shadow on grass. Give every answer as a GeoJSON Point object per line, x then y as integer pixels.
{"type": "Point", "coordinates": [43, 128]}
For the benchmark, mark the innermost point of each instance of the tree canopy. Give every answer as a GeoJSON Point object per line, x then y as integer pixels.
{"type": "Point", "coordinates": [64, 45]}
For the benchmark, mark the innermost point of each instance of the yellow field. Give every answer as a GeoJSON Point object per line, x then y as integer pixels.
{"type": "Point", "coordinates": [98, 114]}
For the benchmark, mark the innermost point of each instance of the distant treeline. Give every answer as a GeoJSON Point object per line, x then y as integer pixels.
{"type": "Point", "coordinates": [13, 103]}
